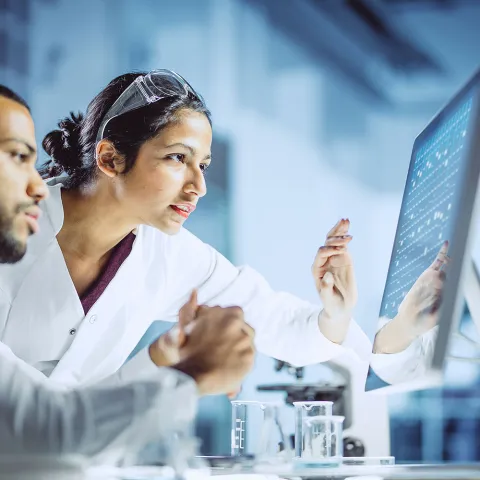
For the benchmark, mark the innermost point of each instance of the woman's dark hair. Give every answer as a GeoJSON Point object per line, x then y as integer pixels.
{"type": "Point", "coordinates": [72, 147]}
{"type": "Point", "coordinates": [8, 93]}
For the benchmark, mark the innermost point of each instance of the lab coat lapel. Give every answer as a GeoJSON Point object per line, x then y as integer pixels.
{"type": "Point", "coordinates": [57, 308]}
{"type": "Point", "coordinates": [100, 340]}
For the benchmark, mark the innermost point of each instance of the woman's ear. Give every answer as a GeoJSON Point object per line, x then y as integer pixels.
{"type": "Point", "coordinates": [109, 161]}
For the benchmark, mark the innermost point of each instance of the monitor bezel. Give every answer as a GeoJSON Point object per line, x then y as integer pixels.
{"type": "Point", "coordinates": [464, 230]}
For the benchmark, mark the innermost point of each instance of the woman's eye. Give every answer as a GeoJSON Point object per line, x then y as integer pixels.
{"type": "Point", "coordinates": [178, 157]}
{"type": "Point", "coordinates": [204, 168]}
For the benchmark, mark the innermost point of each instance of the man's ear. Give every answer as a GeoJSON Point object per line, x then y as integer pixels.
{"type": "Point", "coordinates": [109, 161]}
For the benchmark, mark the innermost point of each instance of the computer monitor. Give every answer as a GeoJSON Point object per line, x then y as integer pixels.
{"type": "Point", "coordinates": [431, 270]}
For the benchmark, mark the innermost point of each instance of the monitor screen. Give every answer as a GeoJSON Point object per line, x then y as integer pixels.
{"type": "Point", "coordinates": [432, 202]}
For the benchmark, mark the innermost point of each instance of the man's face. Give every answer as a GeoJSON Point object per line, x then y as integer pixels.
{"type": "Point", "coordinates": [21, 187]}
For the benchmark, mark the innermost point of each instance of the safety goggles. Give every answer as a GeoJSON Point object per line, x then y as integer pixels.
{"type": "Point", "coordinates": [145, 90]}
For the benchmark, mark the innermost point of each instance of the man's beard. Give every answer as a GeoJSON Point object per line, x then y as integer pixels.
{"type": "Point", "coordinates": [11, 249]}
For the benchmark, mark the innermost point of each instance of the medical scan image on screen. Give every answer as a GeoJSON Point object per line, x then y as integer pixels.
{"type": "Point", "coordinates": [407, 327]}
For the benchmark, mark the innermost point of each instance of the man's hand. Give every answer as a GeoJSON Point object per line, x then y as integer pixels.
{"type": "Point", "coordinates": [169, 348]}
{"type": "Point", "coordinates": [218, 351]}
{"type": "Point", "coordinates": [166, 350]}
{"type": "Point", "coordinates": [335, 281]}
{"type": "Point", "coordinates": [418, 313]}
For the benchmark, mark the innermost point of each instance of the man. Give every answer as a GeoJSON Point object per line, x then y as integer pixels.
{"type": "Point", "coordinates": [37, 416]}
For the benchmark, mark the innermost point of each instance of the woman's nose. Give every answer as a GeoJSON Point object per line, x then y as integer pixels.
{"type": "Point", "coordinates": [197, 184]}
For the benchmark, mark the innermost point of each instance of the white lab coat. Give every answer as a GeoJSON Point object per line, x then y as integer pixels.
{"type": "Point", "coordinates": [39, 305]}
{"type": "Point", "coordinates": [106, 421]}
{"type": "Point", "coordinates": [410, 364]}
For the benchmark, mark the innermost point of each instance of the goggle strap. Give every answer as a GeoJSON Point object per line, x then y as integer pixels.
{"type": "Point", "coordinates": [149, 96]}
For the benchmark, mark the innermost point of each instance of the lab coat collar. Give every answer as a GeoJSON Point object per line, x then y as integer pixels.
{"type": "Point", "coordinates": [53, 206]}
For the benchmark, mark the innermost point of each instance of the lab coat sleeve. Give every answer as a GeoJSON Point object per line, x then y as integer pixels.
{"type": "Point", "coordinates": [37, 416]}
{"type": "Point", "coordinates": [410, 364]}
{"type": "Point", "coordinates": [286, 327]}
{"type": "Point", "coordinates": [139, 367]}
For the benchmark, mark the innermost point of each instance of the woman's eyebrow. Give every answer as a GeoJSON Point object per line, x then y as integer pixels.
{"type": "Point", "coordinates": [189, 148]}
{"type": "Point", "coordinates": [179, 144]}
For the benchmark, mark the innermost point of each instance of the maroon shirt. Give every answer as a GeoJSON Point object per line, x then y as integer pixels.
{"type": "Point", "coordinates": [119, 254]}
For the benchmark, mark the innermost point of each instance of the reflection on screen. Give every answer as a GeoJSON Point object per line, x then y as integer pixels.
{"type": "Point", "coordinates": [430, 198]}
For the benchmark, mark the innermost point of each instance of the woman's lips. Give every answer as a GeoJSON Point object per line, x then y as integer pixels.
{"type": "Point", "coordinates": [185, 211]}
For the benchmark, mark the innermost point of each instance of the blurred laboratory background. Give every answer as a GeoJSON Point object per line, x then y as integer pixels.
{"type": "Point", "coordinates": [316, 104]}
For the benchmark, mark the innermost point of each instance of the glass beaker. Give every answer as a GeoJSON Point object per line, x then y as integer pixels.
{"type": "Point", "coordinates": [304, 410]}
{"type": "Point", "coordinates": [323, 441]}
{"type": "Point", "coordinates": [256, 430]}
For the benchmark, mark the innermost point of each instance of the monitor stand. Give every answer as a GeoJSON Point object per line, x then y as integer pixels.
{"type": "Point", "coordinates": [472, 298]}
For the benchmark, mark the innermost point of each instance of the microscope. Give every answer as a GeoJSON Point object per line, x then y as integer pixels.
{"type": "Point", "coordinates": [346, 390]}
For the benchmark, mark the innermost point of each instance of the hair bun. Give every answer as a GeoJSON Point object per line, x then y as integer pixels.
{"type": "Point", "coordinates": [63, 145]}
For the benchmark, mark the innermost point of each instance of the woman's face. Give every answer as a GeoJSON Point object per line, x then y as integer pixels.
{"type": "Point", "coordinates": [167, 179]}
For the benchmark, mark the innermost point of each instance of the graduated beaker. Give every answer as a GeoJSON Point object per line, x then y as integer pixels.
{"type": "Point", "coordinates": [256, 430]}
{"type": "Point", "coordinates": [322, 441]}
{"type": "Point", "coordinates": [304, 410]}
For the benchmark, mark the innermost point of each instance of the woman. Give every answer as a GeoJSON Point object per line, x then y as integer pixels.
{"type": "Point", "coordinates": [113, 256]}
